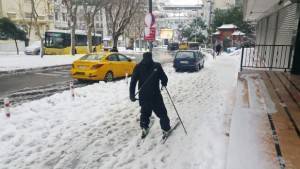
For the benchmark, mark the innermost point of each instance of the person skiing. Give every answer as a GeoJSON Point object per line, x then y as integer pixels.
{"type": "Point", "coordinates": [148, 74]}
{"type": "Point", "coordinates": [218, 49]}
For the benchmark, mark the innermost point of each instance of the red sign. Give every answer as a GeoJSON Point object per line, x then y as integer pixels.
{"type": "Point", "coordinates": [150, 34]}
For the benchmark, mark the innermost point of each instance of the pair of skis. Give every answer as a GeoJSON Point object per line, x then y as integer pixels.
{"type": "Point", "coordinates": [165, 136]}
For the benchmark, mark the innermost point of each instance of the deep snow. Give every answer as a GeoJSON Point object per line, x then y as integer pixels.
{"type": "Point", "coordinates": [100, 128]}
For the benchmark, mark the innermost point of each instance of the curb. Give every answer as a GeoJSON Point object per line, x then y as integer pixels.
{"type": "Point", "coordinates": [33, 70]}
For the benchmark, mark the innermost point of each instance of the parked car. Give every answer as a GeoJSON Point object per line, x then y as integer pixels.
{"type": "Point", "coordinates": [183, 46]}
{"type": "Point", "coordinates": [103, 66]}
{"type": "Point", "coordinates": [33, 49]}
{"type": "Point", "coordinates": [173, 46]}
{"type": "Point", "coordinates": [188, 60]}
{"type": "Point", "coordinates": [194, 46]}
{"type": "Point", "coordinates": [3, 36]}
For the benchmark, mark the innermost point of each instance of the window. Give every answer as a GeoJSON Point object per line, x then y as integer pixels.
{"type": "Point", "coordinates": [28, 15]}
{"type": "Point", "coordinates": [54, 40]}
{"type": "Point", "coordinates": [96, 40]}
{"type": "Point", "coordinates": [56, 16]}
{"type": "Point", "coordinates": [64, 17]}
{"type": "Point", "coordinates": [185, 55]}
{"type": "Point", "coordinates": [123, 58]}
{"type": "Point", "coordinates": [113, 58]}
{"type": "Point", "coordinates": [81, 40]}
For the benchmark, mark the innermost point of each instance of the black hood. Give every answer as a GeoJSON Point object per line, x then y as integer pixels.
{"type": "Point", "coordinates": [147, 59]}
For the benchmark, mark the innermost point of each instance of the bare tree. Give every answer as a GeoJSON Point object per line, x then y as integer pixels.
{"type": "Point", "coordinates": [72, 6]}
{"type": "Point", "coordinates": [136, 29]}
{"type": "Point", "coordinates": [120, 13]}
{"type": "Point", "coordinates": [91, 8]}
{"type": "Point", "coordinates": [138, 24]}
{"type": "Point", "coordinates": [35, 17]}
{"type": "Point", "coordinates": [27, 26]}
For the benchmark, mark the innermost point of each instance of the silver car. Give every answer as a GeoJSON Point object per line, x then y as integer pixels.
{"type": "Point", "coordinates": [33, 49]}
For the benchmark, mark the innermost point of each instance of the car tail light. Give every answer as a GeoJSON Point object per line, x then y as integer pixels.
{"type": "Point", "coordinates": [97, 66]}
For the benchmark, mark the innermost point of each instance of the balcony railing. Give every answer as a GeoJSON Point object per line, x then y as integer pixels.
{"type": "Point", "coordinates": [267, 57]}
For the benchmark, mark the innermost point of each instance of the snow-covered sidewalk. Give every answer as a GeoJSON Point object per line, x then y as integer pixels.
{"type": "Point", "coordinates": [100, 128]}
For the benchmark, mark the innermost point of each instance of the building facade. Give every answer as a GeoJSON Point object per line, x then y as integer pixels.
{"type": "Point", "coordinates": [228, 36]}
{"type": "Point", "coordinates": [19, 11]}
{"type": "Point", "coordinates": [175, 17]}
{"type": "Point", "coordinates": [277, 24]}
{"type": "Point", "coordinates": [223, 4]}
{"type": "Point", "coordinates": [53, 14]}
{"type": "Point", "coordinates": [61, 18]}
{"type": "Point", "coordinates": [60, 15]}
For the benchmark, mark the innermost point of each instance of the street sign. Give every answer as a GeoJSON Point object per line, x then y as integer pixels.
{"type": "Point", "coordinates": [150, 27]}
{"type": "Point", "coordinates": [150, 33]}
{"type": "Point", "coordinates": [149, 20]}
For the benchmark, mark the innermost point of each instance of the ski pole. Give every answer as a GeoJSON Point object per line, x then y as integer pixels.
{"type": "Point", "coordinates": [155, 70]}
{"type": "Point", "coordinates": [175, 109]}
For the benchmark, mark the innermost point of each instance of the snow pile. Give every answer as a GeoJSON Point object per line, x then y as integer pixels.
{"type": "Point", "coordinates": [100, 128]}
{"type": "Point", "coordinates": [9, 47]}
{"type": "Point", "coordinates": [15, 62]}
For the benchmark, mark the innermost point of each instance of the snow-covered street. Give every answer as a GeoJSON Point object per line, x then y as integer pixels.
{"type": "Point", "coordinates": [99, 128]}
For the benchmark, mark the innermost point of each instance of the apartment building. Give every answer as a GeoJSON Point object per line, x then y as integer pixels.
{"type": "Point", "coordinates": [19, 11]}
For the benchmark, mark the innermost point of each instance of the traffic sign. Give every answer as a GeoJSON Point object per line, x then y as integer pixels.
{"type": "Point", "coordinates": [149, 20]}
{"type": "Point", "coordinates": [150, 33]}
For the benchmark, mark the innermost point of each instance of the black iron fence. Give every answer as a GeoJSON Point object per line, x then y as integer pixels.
{"type": "Point", "coordinates": [267, 57]}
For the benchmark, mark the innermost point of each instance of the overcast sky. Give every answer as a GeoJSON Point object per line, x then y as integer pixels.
{"type": "Point", "coordinates": [185, 2]}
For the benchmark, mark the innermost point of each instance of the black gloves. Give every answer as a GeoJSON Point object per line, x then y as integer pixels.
{"type": "Point", "coordinates": [132, 98]}
{"type": "Point", "coordinates": [164, 84]}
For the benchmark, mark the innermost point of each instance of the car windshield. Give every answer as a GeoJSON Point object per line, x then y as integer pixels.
{"type": "Point", "coordinates": [54, 39]}
{"type": "Point", "coordinates": [185, 55]}
{"type": "Point", "coordinates": [91, 57]}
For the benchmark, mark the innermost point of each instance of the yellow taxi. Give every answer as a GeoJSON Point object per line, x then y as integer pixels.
{"type": "Point", "coordinates": [103, 66]}
{"type": "Point", "coordinates": [183, 46]}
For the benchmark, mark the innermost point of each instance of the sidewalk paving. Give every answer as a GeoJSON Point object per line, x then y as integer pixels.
{"type": "Point", "coordinates": [265, 123]}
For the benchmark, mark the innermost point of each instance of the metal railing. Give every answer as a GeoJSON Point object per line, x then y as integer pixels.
{"type": "Point", "coordinates": [267, 57]}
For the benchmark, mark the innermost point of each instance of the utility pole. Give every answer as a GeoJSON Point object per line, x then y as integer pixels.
{"type": "Point", "coordinates": [150, 11]}
{"type": "Point", "coordinates": [209, 23]}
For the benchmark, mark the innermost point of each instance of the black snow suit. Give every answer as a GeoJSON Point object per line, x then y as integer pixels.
{"type": "Point", "coordinates": [218, 49]}
{"type": "Point", "coordinates": [150, 98]}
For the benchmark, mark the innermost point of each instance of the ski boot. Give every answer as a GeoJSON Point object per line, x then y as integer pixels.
{"type": "Point", "coordinates": [145, 132]}
{"type": "Point", "coordinates": [165, 134]}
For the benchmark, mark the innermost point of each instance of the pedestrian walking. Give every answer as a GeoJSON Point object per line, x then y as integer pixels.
{"type": "Point", "coordinates": [148, 74]}
{"type": "Point", "coordinates": [218, 49]}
